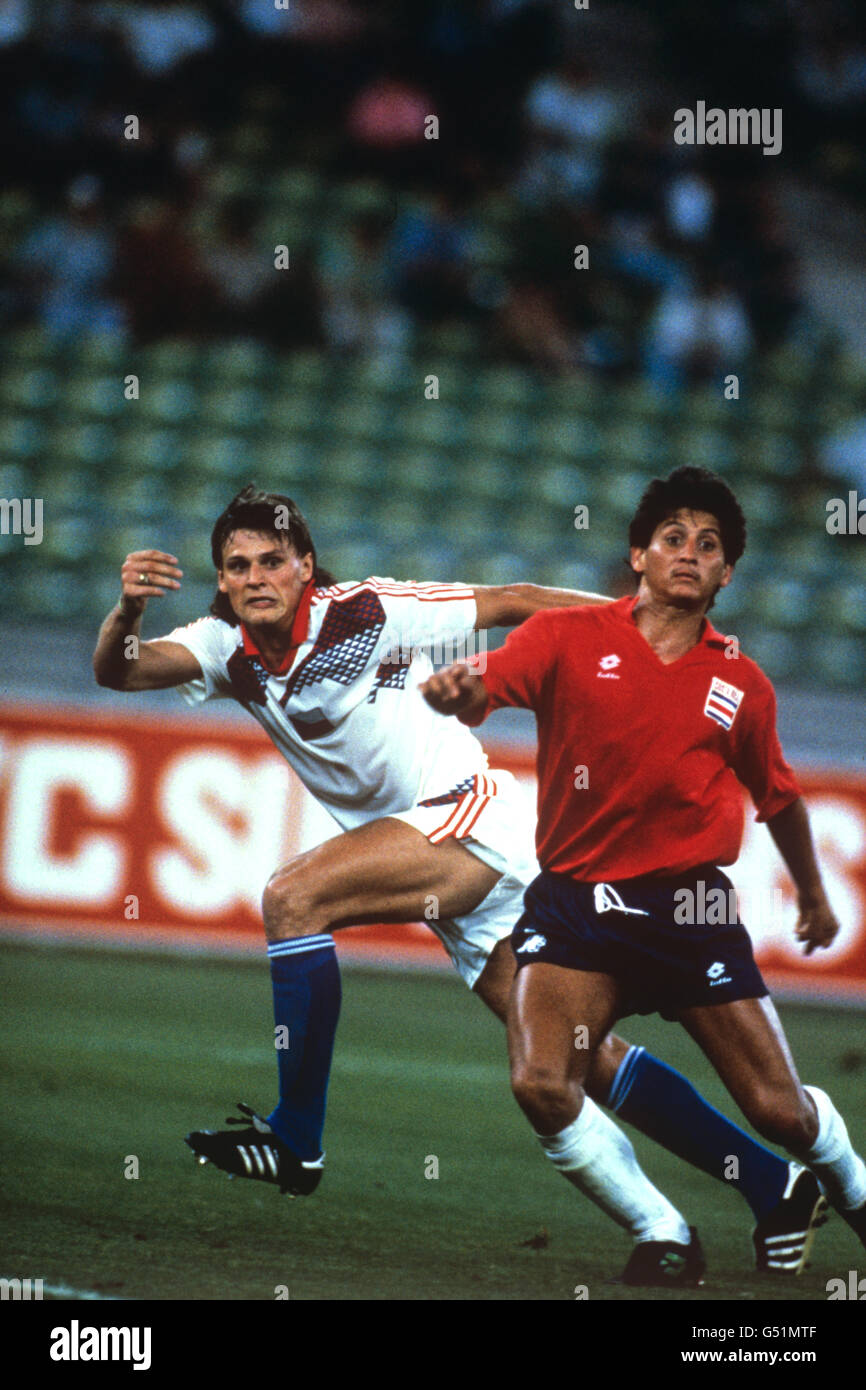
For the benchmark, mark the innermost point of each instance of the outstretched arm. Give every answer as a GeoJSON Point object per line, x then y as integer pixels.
{"type": "Point", "coordinates": [507, 605]}
{"type": "Point", "coordinates": [790, 830]}
{"type": "Point", "coordinates": [122, 664]}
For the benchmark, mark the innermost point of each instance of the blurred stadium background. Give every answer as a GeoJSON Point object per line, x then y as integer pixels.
{"type": "Point", "coordinates": [146, 250]}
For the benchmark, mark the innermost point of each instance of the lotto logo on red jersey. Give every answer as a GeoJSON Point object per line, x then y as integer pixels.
{"type": "Point", "coordinates": [722, 702]}
{"type": "Point", "coordinates": [606, 667]}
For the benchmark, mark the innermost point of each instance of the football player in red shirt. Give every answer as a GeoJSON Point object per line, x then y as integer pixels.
{"type": "Point", "coordinates": [270, 627]}
{"type": "Point", "coordinates": [662, 719]}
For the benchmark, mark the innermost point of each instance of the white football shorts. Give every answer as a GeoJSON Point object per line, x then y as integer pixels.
{"type": "Point", "coordinates": [494, 818]}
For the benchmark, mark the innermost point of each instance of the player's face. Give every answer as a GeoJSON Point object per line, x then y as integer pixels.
{"type": "Point", "coordinates": [263, 579]}
{"type": "Point", "coordinates": [684, 563]}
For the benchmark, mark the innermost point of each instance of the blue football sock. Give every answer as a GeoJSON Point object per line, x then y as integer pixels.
{"type": "Point", "coordinates": [306, 983]}
{"type": "Point", "coordinates": [663, 1105]}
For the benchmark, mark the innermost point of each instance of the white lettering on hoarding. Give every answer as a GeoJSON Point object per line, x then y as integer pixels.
{"type": "Point", "coordinates": [228, 818]}
{"type": "Point", "coordinates": [98, 772]}
{"type": "Point", "coordinates": [839, 831]}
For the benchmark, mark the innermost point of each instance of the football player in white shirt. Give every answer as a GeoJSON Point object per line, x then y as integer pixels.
{"type": "Point", "coordinates": [331, 671]}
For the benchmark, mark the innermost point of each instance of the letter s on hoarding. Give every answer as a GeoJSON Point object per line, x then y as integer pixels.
{"type": "Point", "coordinates": [229, 816]}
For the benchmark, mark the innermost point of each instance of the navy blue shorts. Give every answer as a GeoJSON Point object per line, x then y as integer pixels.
{"type": "Point", "coordinates": [648, 934]}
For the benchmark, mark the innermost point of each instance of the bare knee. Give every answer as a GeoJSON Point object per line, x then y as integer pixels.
{"type": "Point", "coordinates": [785, 1118]}
{"type": "Point", "coordinates": [289, 903]}
{"type": "Point", "coordinates": [547, 1097]}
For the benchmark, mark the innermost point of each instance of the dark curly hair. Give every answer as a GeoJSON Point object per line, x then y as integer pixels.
{"type": "Point", "coordinates": [695, 490]}
{"type": "Point", "coordinates": [274, 515]}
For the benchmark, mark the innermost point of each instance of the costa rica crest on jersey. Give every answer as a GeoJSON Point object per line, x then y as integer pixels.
{"type": "Point", "coordinates": [722, 702]}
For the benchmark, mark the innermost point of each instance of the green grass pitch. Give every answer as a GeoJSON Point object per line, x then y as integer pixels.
{"type": "Point", "coordinates": [109, 1056]}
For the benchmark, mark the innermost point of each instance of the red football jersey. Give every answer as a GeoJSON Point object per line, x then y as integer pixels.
{"type": "Point", "coordinates": [639, 763]}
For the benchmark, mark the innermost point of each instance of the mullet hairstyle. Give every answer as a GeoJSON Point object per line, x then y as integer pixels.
{"type": "Point", "coordinates": [694, 490]}
{"type": "Point", "coordinates": [272, 514]}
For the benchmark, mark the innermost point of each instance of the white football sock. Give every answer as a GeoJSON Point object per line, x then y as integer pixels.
{"type": "Point", "coordinates": [598, 1158]}
{"type": "Point", "coordinates": [841, 1172]}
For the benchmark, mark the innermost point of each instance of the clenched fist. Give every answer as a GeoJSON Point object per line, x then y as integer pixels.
{"type": "Point", "coordinates": [456, 690]}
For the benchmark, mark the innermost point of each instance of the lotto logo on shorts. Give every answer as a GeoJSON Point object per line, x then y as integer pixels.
{"type": "Point", "coordinates": [534, 943]}
{"type": "Point", "coordinates": [722, 702]}
{"type": "Point", "coordinates": [716, 974]}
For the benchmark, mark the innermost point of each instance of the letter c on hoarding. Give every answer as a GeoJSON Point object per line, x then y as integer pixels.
{"type": "Point", "coordinates": [100, 774]}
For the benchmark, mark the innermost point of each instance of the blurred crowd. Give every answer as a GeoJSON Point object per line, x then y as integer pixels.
{"type": "Point", "coordinates": [690, 272]}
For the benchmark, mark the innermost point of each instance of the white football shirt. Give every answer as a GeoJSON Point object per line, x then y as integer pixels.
{"type": "Point", "coordinates": [346, 714]}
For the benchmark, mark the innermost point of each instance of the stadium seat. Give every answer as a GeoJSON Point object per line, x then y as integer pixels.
{"type": "Point", "coordinates": [619, 494]}
{"type": "Point", "coordinates": [425, 477]}
{"type": "Point", "coordinates": [493, 480]}
{"type": "Point", "coordinates": [356, 418]}
{"type": "Point", "coordinates": [101, 395]}
{"type": "Point", "coordinates": [53, 595]}
{"type": "Point", "coordinates": [280, 462]}
{"type": "Point", "coordinates": [236, 407]}
{"type": "Point", "coordinates": [574, 438]}
{"type": "Point", "coordinates": [67, 539]}
{"type": "Point", "coordinates": [215, 455]}
{"type": "Point", "coordinates": [154, 450]}
{"type": "Point", "coordinates": [779, 654]}
{"type": "Point", "coordinates": [573, 571]}
{"type": "Point", "coordinates": [308, 369]}
{"type": "Point", "coordinates": [831, 660]}
{"type": "Point", "coordinates": [134, 496]}
{"type": "Point", "coordinates": [248, 143]}
{"type": "Point", "coordinates": [226, 181]}
{"type": "Point", "coordinates": [451, 341]}
{"type": "Point", "coordinates": [790, 367]}
{"type": "Point", "coordinates": [169, 402]}
{"type": "Point", "coordinates": [23, 437]}
{"type": "Point", "coordinates": [843, 606]}
{"type": "Point", "coordinates": [400, 523]}
{"type": "Point", "coordinates": [703, 446]}
{"type": "Point", "coordinates": [346, 468]}
{"type": "Point", "coordinates": [509, 387]}
{"type": "Point", "coordinates": [706, 406]}
{"type": "Point", "coordinates": [31, 345]}
{"type": "Point", "coordinates": [771, 453]}
{"type": "Point", "coordinates": [29, 388]}
{"type": "Point", "coordinates": [576, 396]}
{"type": "Point", "coordinates": [786, 603]}
{"type": "Point", "coordinates": [348, 200]}
{"type": "Point", "coordinates": [16, 479]}
{"type": "Point", "coordinates": [236, 360]}
{"type": "Point", "coordinates": [172, 358]}
{"type": "Point", "coordinates": [296, 188]}
{"type": "Point", "coordinates": [634, 443]}
{"type": "Point", "coordinates": [295, 413]}
{"type": "Point", "coordinates": [286, 227]}
{"type": "Point", "coordinates": [635, 400]}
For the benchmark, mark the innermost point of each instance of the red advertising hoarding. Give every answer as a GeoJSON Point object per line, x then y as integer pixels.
{"type": "Point", "coordinates": [137, 829]}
